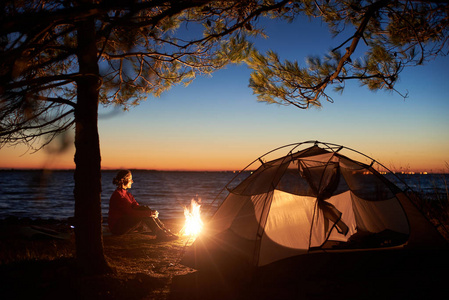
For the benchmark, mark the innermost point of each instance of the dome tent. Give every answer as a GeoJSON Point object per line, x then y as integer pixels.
{"type": "Point", "coordinates": [314, 198]}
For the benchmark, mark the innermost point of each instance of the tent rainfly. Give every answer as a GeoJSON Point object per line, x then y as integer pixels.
{"type": "Point", "coordinates": [314, 199]}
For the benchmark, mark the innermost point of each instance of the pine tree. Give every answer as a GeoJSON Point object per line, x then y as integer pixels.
{"type": "Point", "coordinates": [61, 59]}
{"type": "Point", "coordinates": [396, 34]}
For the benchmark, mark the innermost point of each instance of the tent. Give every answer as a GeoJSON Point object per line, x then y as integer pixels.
{"type": "Point", "coordinates": [314, 198]}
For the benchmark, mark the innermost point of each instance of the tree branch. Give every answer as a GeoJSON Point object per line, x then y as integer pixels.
{"type": "Point", "coordinates": [355, 40]}
{"type": "Point", "coordinates": [36, 127]}
{"type": "Point", "coordinates": [42, 80]}
{"type": "Point", "coordinates": [55, 100]}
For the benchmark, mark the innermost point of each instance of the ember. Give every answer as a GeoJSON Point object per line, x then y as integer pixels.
{"type": "Point", "coordinates": [193, 223]}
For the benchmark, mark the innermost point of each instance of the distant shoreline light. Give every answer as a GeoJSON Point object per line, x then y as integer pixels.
{"type": "Point", "coordinates": [200, 171]}
{"type": "Point", "coordinates": [412, 173]}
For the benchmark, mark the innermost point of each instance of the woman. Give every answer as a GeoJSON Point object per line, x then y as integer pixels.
{"type": "Point", "coordinates": [126, 215]}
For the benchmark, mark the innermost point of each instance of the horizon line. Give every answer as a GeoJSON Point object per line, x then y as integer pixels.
{"type": "Point", "coordinates": [196, 170]}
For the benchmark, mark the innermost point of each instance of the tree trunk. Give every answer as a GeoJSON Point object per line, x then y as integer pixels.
{"type": "Point", "coordinates": [88, 219]}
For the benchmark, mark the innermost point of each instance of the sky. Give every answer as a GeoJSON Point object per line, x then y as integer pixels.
{"type": "Point", "coordinates": [216, 123]}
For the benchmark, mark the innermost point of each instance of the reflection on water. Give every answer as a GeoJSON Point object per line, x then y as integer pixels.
{"type": "Point", "coordinates": [49, 194]}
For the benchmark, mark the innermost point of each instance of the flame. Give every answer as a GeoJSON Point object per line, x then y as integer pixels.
{"type": "Point", "coordinates": [193, 224]}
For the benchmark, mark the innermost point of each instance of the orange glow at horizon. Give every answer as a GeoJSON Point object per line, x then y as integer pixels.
{"type": "Point", "coordinates": [18, 158]}
{"type": "Point", "coordinates": [217, 124]}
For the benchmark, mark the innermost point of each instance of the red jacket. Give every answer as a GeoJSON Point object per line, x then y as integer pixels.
{"type": "Point", "coordinates": [123, 204]}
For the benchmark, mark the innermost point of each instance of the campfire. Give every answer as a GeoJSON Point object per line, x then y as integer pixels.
{"type": "Point", "coordinates": [193, 223]}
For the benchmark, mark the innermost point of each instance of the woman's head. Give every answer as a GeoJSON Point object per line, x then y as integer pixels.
{"type": "Point", "coordinates": [123, 179]}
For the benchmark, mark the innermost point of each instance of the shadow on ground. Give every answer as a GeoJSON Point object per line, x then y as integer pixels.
{"type": "Point", "coordinates": [364, 275]}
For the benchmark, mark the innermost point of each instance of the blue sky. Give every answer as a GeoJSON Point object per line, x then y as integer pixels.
{"type": "Point", "coordinates": [217, 123]}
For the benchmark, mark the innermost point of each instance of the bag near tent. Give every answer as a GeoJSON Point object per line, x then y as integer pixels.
{"type": "Point", "coordinates": [314, 199]}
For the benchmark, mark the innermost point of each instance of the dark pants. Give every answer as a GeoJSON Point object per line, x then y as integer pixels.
{"type": "Point", "coordinates": [128, 224]}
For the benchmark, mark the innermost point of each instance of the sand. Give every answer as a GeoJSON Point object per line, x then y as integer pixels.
{"type": "Point", "coordinates": [42, 267]}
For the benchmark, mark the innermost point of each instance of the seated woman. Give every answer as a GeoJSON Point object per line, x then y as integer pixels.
{"type": "Point", "coordinates": [126, 215]}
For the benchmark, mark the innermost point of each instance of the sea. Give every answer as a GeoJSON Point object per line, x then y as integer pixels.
{"type": "Point", "coordinates": [44, 194]}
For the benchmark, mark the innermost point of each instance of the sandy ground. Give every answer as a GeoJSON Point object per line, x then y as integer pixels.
{"type": "Point", "coordinates": [41, 267]}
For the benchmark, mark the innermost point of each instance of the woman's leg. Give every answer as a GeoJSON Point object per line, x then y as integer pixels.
{"type": "Point", "coordinates": [157, 227]}
{"type": "Point", "coordinates": [129, 224]}
{"type": "Point", "coordinates": [126, 224]}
